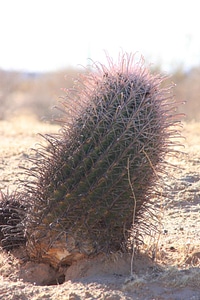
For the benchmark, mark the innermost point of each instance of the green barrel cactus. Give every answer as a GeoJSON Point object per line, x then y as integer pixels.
{"type": "Point", "coordinates": [103, 168]}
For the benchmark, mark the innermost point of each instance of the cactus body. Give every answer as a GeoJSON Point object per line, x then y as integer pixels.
{"type": "Point", "coordinates": [104, 165]}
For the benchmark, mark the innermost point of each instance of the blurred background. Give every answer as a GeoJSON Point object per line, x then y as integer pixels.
{"type": "Point", "coordinates": [44, 44]}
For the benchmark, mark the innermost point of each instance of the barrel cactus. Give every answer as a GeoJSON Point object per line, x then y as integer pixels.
{"type": "Point", "coordinates": [103, 168]}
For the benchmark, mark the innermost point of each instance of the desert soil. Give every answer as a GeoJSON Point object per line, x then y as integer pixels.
{"type": "Point", "coordinates": [168, 265]}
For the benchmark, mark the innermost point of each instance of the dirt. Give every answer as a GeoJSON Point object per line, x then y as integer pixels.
{"type": "Point", "coordinates": [168, 264]}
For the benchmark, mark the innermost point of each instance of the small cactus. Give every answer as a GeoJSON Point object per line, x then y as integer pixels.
{"type": "Point", "coordinates": [11, 215]}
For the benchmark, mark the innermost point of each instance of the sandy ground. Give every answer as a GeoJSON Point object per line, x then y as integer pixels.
{"type": "Point", "coordinates": [168, 266]}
